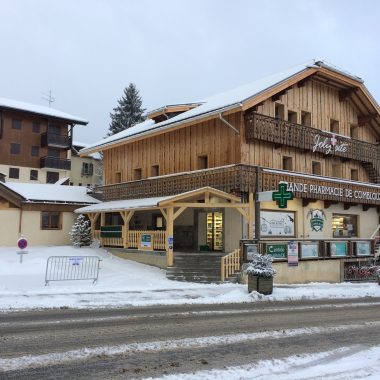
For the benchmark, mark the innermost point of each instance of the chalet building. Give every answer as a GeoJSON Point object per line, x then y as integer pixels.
{"type": "Point", "coordinates": [42, 213]}
{"type": "Point", "coordinates": [34, 142]}
{"type": "Point", "coordinates": [290, 162]}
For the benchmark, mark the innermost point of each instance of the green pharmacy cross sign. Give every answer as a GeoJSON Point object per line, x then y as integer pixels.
{"type": "Point", "coordinates": [282, 196]}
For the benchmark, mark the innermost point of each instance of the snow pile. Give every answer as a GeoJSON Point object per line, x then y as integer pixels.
{"type": "Point", "coordinates": [122, 282]}
{"type": "Point", "coordinates": [353, 362]}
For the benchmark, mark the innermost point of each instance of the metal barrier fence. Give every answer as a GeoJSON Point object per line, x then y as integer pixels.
{"type": "Point", "coordinates": [65, 268]}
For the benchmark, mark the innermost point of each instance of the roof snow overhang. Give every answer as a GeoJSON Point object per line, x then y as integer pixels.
{"type": "Point", "coordinates": [37, 110]}
{"type": "Point", "coordinates": [10, 195]}
{"type": "Point", "coordinates": [351, 88]}
{"type": "Point", "coordinates": [195, 198]}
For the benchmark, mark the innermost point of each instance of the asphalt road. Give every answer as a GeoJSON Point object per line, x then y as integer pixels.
{"type": "Point", "coordinates": [130, 343]}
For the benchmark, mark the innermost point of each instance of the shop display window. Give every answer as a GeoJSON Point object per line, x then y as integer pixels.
{"type": "Point", "coordinates": [345, 225]}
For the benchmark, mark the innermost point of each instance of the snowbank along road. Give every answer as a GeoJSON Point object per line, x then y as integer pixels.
{"type": "Point", "coordinates": [178, 340]}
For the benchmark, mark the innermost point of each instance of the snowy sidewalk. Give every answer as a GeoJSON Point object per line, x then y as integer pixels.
{"type": "Point", "coordinates": [123, 283]}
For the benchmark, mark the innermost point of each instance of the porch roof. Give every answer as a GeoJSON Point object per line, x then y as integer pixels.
{"type": "Point", "coordinates": [155, 202]}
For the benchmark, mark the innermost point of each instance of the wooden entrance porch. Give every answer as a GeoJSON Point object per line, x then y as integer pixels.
{"type": "Point", "coordinates": [170, 207]}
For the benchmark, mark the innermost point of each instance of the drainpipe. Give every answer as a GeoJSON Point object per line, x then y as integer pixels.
{"type": "Point", "coordinates": [222, 119]}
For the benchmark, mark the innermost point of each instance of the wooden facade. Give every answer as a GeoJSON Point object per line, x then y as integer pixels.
{"type": "Point", "coordinates": [317, 130]}
{"type": "Point", "coordinates": [174, 152]}
{"type": "Point", "coordinates": [261, 138]}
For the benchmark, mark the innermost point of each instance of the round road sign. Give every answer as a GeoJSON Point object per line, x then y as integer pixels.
{"type": "Point", "coordinates": [22, 243]}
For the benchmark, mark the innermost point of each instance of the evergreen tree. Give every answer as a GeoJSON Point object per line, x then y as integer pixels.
{"type": "Point", "coordinates": [128, 112]}
{"type": "Point", "coordinates": [80, 233]}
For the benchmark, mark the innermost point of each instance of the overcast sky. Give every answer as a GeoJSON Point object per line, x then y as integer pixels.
{"type": "Point", "coordinates": [87, 51]}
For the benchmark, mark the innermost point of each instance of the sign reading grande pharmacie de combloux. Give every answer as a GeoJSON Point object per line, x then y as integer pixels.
{"type": "Point", "coordinates": [307, 188]}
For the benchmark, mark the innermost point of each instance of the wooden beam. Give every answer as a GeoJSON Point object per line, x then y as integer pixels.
{"type": "Point", "coordinates": [243, 212]}
{"type": "Point", "coordinates": [346, 205]}
{"type": "Point", "coordinates": [306, 201]}
{"type": "Point", "coordinates": [329, 203]}
{"type": "Point", "coordinates": [346, 94]}
{"type": "Point", "coordinates": [366, 207]}
{"type": "Point", "coordinates": [93, 217]}
{"type": "Point", "coordinates": [127, 216]}
{"type": "Point", "coordinates": [209, 205]}
{"type": "Point", "coordinates": [277, 96]}
{"type": "Point", "coordinates": [302, 83]}
{"type": "Point", "coordinates": [163, 212]}
{"type": "Point", "coordinates": [102, 223]}
{"type": "Point", "coordinates": [365, 119]}
{"type": "Point", "coordinates": [179, 212]}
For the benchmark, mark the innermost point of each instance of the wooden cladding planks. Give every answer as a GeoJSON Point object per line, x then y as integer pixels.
{"type": "Point", "coordinates": [176, 151]}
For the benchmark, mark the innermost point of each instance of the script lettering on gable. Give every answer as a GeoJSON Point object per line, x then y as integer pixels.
{"type": "Point", "coordinates": [328, 145]}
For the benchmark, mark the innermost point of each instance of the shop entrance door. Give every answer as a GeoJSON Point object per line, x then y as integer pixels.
{"type": "Point", "coordinates": [215, 231]}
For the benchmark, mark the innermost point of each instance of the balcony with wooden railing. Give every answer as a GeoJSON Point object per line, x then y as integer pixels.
{"type": "Point", "coordinates": [284, 133]}
{"type": "Point", "coordinates": [231, 178]}
{"type": "Point", "coordinates": [241, 179]}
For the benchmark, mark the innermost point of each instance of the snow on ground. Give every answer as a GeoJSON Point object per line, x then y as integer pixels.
{"type": "Point", "coordinates": [353, 362]}
{"type": "Point", "coordinates": [122, 282]}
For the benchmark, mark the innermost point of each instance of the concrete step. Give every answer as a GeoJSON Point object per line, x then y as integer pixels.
{"type": "Point", "coordinates": [199, 279]}
{"type": "Point", "coordinates": [197, 267]}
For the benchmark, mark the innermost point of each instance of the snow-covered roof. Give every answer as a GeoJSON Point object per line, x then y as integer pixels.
{"type": "Point", "coordinates": [126, 204]}
{"type": "Point", "coordinates": [81, 145]}
{"type": "Point", "coordinates": [35, 192]}
{"type": "Point", "coordinates": [40, 110]}
{"type": "Point", "coordinates": [148, 203]}
{"type": "Point", "coordinates": [212, 105]}
{"type": "Point", "coordinates": [169, 106]}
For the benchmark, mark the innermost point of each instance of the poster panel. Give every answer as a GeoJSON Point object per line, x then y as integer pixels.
{"type": "Point", "coordinates": [275, 223]}
{"type": "Point", "coordinates": [363, 248]}
{"type": "Point", "coordinates": [309, 250]}
{"type": "Point", "coordinates": [338, 248]}
{"type": "Point", "coordinates": [292, 253]}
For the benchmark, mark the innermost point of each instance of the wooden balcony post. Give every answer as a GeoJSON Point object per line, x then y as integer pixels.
{"type": "Point", "coordinates": [93, 218]}
{"type": "Point", "coordinates": [127, 216]}
{"type": "Point", "coordinates": [102, 223]}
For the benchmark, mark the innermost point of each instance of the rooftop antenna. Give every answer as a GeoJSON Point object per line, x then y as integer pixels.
{"type": "Point", "coordinates": [49, 98]}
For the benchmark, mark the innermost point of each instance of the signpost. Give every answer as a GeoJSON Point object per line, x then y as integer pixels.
{"type": "Point", "coordinates": [22, 243]}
